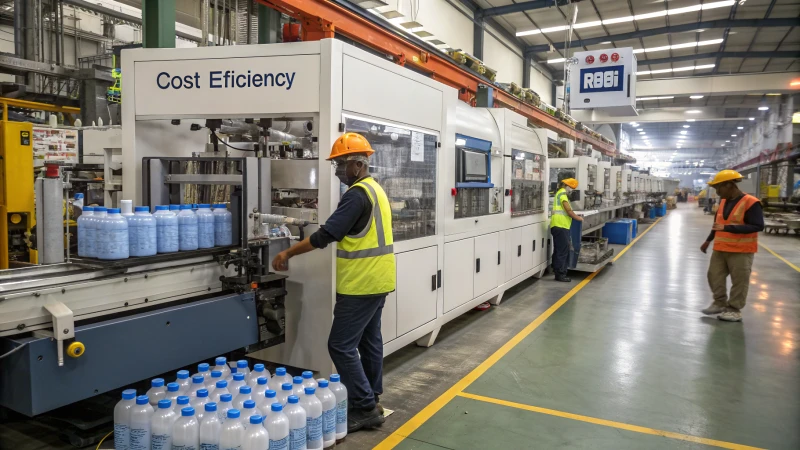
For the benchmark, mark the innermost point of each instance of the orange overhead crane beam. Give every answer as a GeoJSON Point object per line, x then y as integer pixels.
{"type": "Point", "coordinates": [320, 19]}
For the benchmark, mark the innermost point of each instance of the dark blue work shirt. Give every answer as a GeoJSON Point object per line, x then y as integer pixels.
{"type": "Point", "coordinates": [350, 218]}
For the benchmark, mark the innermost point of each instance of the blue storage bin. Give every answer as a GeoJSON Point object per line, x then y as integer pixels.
{"type": "Point", "coordinates": [618, 232]}
{"type": "Point", "coordinates": [634, 225]}
{"type": "Point", "coordinates": [652, 213]}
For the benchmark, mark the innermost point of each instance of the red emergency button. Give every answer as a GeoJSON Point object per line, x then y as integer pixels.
{"type": "Point", "coordinates": [589, 59]}
{"type": "Point", "coordinates": [603, 58]}
{"type": "Point", "coordinates": [615, 57]}
{"type": "Point", "coordinates": [453, 191]}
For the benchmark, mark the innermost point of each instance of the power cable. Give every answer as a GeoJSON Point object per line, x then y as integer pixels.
{"type": "Point", "coordinates": [12, 351]}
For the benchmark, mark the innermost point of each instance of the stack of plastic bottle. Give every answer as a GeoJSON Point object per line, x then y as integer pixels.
{"type": "Point", "coordinates": [108, 234]}
{"type": "Point", "coordinates": [249, 418]}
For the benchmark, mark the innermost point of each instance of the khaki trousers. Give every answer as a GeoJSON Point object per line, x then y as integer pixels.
{"type": "Point", "coordinates": [738, 266]}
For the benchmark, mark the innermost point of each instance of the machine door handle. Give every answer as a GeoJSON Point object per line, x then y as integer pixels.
{"type": "Point", "coordinates": [519, 250]}
{"type": "Point", "coordinates": [439, 278]}
{"type": "Point", "coordinates": [498, 257]}
{"type": "Point", "coordinates": [433, 282]}
{"type": "Point", "coordinates": [534, 245]}
{"type": "Point", "coordinates": [478, 265]}
{"type": "Point", "coordinates": [542, 242]}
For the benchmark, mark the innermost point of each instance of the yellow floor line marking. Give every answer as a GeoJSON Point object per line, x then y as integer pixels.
{"type": "Point", "coordinates": [421, 417]}
{"type": "Point", "coordinates": [610, 423]}
{"type": "Point", "coordinates": [780, 257]}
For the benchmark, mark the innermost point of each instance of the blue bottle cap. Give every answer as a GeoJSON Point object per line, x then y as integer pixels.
{"type": "Point", "coordinates": [277, 407]}
{"type": "Point", "coordinates": [269, 393]}
{"type": "Point", "coordinates": [220, 205]}
{"type": "Point", "coordinates": [245, 389]}
{"type": "Point", "coordinates": [188, 411]}
{"type": "Point", "coordinates": [183, 374]}
{"type": "Point", "coordinates": [238, 377]}
{"type": "Point", "coordinates": [297, 380]}
{"type": "Point", "coordinates": [100, 209]}
{"type": "Point", "coordinates": [164, 404]}
{"type": "Point", "coordinates": [141, 209]}
{"type": "Point", "coordinates": [211, 406]}
{"type": "Point", "coordinates": [308, 374]}
{"type": "Point", "coordinates": [198, 379]}
{"type": "Point", "coordinates": [310, 390]}
{"type": "Point", "coordinates": [173, 387]}
{"type": "Point", "coordinates": [174, 207]}
{"type": "Point", "coordinates": [258, 367]}
{"type": "Point", "coordinates": [202, 367]}
{"type": "Point", "coordinates": [129, 394]}
{"type": "Point", "coordinates": [286, 387]}
{"type": "Point", "coordinates": [202, 393]}
{"type": "Point", "coordinates": [204, 206]}
{"type": "Point", "coordinates": [280, 371]}
{"type": "Point", "coordinates": [256, 419]}
{"type": "Point", "coordinates": [222, 384]}
{"type": "Point", "coordinates": [88, 208]}
{"type": "Point", "coordinates": [216, 373]}
{"type": "Point", "coordinates": [335, 378]}
{"type": "Point", "coordinates": [261, 380]}
{"type": "Point", "coordinates": [233, 413]}
{"type": "Point", "coordinates": [78, 196]}
{"type": "Point", "coordinates": [323, 383]}
{"type": "Point", "coordinates": [183, 400]}
{"type": "Point", "coordinates": [221, 360]}
{"type": "Point", "coordinates": [186, 207]}
{"type": "Point", "coordinates": [293, 399]}
{"type": "Point", "coordinates": [225, 397]}
{"type": "Point", "coordinates": [142, 400]}
{"type": "Point", "coordinates": [113, 210]}
{"type": "Point", "coordinates": [242, 364]}
{"type": "Point", "coordinates": [162, 208]}
{"type": "Point", "coordinates": [233, 370]}
{"type": "Point", "coordinates": [248, 404]}
{"type": "Point", "coordinates": [157, 382]}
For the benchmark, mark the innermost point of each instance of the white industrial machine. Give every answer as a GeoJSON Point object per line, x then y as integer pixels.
{"type": "Point", "coordinates": [617, 185]}
{"type": "Point", "coordinates": [584, 169]}
{"type": "Point", "coordinates": [604, 182]}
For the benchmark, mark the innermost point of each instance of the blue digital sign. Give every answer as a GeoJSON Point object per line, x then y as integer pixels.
{"type": "Point", "coordinates": [602, 79]}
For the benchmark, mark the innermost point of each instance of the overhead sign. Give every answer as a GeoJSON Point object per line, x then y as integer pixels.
{"type": "Point", "coordinates": [604, 80]}
{"type": "Point", "coordinates": [229, 86]}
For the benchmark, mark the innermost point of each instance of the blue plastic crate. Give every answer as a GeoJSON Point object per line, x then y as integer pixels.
{"type": "Point", "coordinates": [618, 232]}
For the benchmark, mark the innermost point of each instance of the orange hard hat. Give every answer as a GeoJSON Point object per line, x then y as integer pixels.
{"type": "Point", "coordinates": [726, 175]}
{"type": "Point", "coordinates": [571, 182]}
{"type": "Point", "coordinates": [350, 144]}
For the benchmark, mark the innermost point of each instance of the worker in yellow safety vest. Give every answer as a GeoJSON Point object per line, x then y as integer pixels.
{"type": "Point", "coordinates": [735, 235]}
{"type": "Point", "coordinates": [560, 223]}
{"type": "Point", "coordinates": [365, 274]}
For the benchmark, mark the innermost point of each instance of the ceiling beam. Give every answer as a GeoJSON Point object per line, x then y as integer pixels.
{"type": "Point", "coordinates": [517, 7]}
{"type": "Point", "coordinates": [723, 23]}
{"type": "Point", "coordinates": [725, 38]}
{"type": "Point", "coordinates": [739, 84]}
{"type": "Point", "coordinates": [719, 56]}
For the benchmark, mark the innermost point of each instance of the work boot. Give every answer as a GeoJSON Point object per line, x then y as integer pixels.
{"type": "Point", "coordinates": [731, 316]}
{"type": "Point", "coordinates": [563, 278]}
{"type": "Point", "coordinates": [378, 404]}
{"type": "Point", "coordinates": [358, 419]}
{"type": "Point", "coordinates": [714, 309]}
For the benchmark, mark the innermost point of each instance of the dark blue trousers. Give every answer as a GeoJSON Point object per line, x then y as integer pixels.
{"type": "Point", "coordinates": [560, 250]}
{"type": "Point", "coordinates": [356, 330]}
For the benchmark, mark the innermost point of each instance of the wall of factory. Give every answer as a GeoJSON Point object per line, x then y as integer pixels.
{"type": "Point", "coordinates": [765, 134]}
{"type": "Point", "coordinates": [497, 56]}
{"type": "Point", "coordinates": [444, 21]}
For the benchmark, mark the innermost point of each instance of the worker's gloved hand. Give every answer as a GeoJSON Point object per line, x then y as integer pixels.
{"type": "Point", "coordinates": [281, 262]}
{"type": "Point", "coordinates": [704, 247]}
{"type": "Point", "coordinates": [718, 227]}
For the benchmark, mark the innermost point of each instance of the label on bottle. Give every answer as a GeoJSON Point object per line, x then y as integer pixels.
{"type": "Point", "coordinates": [209, 446]}
{"type": "Point", "coordinates": [341, 412]}
{"type": "Point", "coordinates": [121, 436]}
{"type": "Point", "coordinates": [238, 447]}
{"type": "Point", "coordinates": [329, 421]}
{"type": "Point", "coordinates": [140, 439]}
{"type": "Point", "coordinates": [297, 436]}
{"type": "Point", "coordinates": [314, 427]}
{"type": "Point", "coordinates": [183, 447]}
{"type": "Point", "coordinates": [160, 442]}
{"type": "Point", "coordinates": [280, 444]}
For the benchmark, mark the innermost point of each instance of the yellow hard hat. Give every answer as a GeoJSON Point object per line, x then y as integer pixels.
{"type": "Point", "coordinates": [350, 144]}
{"type": "Point", "coordinates": [571, 182]}
{"type": "Point", "coordinates": [725, 175]}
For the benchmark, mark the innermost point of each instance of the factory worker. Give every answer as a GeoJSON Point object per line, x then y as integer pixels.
{"type": "Point", "coordinates": [737, 222]}
{"type": "Point", "coordinates": [365, 274]}
{"type": "Point", "coordinates": [560, 223]}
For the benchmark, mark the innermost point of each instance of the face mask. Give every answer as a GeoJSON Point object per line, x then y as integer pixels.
{"type": "Point", "coordinates": [341, 174]}
{"type": "Point", "coordinates": [567, 189]}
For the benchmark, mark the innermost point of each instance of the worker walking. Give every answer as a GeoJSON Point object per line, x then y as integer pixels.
{"type": "Point", "coordinates": [560, 223]}
{"type": "Point", "coordinates": [365, 274]}
{"type": "Point", "coordinates": [737, 222]}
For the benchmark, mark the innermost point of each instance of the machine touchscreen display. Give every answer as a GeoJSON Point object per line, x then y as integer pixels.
{"type": "Point", "coordinates": [475, 167]}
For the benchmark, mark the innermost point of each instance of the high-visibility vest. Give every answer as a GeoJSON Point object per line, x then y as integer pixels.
{"type": "Point", "coordinates": [365, 263]}
{"type": "Point", "coordinates": [560, 218]}
{"type": "Point", "coordinates": [731, 242]}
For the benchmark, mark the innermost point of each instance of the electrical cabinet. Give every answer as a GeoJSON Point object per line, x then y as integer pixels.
{"type": "Point", "coordinates": [487, 263]}
{"type": "Point", "coordinates": [459, 261]}
{"type": "Point", "coordinates": [417, 288]}
{"type": "Point", "coordinates": [514, 246]}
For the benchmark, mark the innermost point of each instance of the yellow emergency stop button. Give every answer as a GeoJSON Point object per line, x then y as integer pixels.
{"type": "Point", "coordinates": [76, 349]}
{"type": "Point", "coordinates": [16, 218]}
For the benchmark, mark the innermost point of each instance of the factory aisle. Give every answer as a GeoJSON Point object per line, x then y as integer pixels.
{"type": "Point", "coordinates": [624, 360]}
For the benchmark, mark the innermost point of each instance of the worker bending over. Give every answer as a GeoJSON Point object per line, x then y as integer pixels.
{"type": "Point", "coordinates": [365, 274]}
{"type": "Point", "coordinates": [560, 223]}
{"type": "Point", "coordinates": [735, 235]}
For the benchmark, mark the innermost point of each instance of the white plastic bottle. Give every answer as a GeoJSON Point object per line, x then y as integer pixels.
{"type": "Point", "coordinates": [142, 233]}
{"type": "Point", "coordinates": [252, 377]}
{"type": "Point", "coordinates": [259, 389]}
{"type": "Point", "coordinates": [223, 225]}
{"type": "Point", "coordinates": [83, 225]}
{"type": "Point", "coordinates": [297, 423]}
{"type": "Point", "coordinates": [231, 436]}
{"type": "Point", "coordinates": [313, 408]}
{"type": "Point", "coordinates": [242, 367]}
{"type": "Point", "coordinates": [187, 228]}
{"type": "Point", "coordinates": [210, 427]}
{"type": "Point", "coordinates": [183, 380]}
{"type": "Point", "coordinates": [173, 391]}
{"type": "Point", "coordinates": [166, 230]}
{"type": "Point", "coordinates": [198, 402]}
{"type": "Point", "coordinates": [182, 401]}
{"type": "Point", "coordinates": [112, 236]}
{"type": "Point", "coordinates": [122, 419]}
{"type": "Point", "coordinates": [205, 226]}
{"type": "Point", "coordinates": [298, 388]}
{"type": "Point", "coordinates": [278, 428]}
{"type": "Point", "coordinates": [204, 371]}
{"type": "Point", "coordinates": [161, 426]}
{"type": "Point", "coordinates": [236, 383]}
{"type": "Point", "coordinates": [245, 394]}
{"type": "Point", "coordinates": [126, 208]}
{"type": "Point", "coordinates": [248, 409]}
{"type": "Point", "coordinates": [221, 389]}
{"type": "Point", "coordinates": [283, 395]}
{"type": "Point", "coordinates": [328, 400]}
{"type": "Point", "coordinates": [78, 201]}
{"type": "Point", "coordinates": [256, 436]}
{"type": "Point", "coordinates": [211, 381]}
{"type": "Point", "coordinates": [265, 404]}
{"type": "Point", "coordinates": [222, 365]}
{"type": "Point", "coordinates": [308, 379]}
{"type": "Point", "coordinates": [198, 382]}
{"type": "Point", "coordinates": [223, 405]}
{"type": "Point", "coordinates": [186, 431]}
{"type": "Point", "coordinates": [340, 392]}
{"type": "Point", "coordinates": [140, 424]}
{"type": "Point", "coordinates": [156, 392]}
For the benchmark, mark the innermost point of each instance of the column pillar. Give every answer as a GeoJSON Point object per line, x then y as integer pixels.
{"type": "Point", "coordinates": [158, 23]}
{"type": "Point", "coordinates": [269, 25]}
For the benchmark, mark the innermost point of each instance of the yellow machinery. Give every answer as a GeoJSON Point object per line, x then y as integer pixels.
{"type": "Point", "coordinates": [16, 191]}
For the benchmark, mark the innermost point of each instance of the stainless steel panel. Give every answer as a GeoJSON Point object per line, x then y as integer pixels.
{"type": "Point", "coordinates": [49, 220]}
{"type": "Point", "coordinates": [203, 179]}
{"type": "Point", "coordinates": [295, 174]}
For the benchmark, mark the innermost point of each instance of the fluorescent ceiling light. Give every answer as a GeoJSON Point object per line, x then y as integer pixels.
{"type": "Point", "coordinates": [642, 132]}
{"type": "Point", "coordinates": [679, 69]}
{"type": "Point", "coordinates": [597, 23]}
{"type": "Point", "coordinates": [693, 111]}
{"type": "Point", "coordinates": [683, 132]}
{"type": "Point", "coordinates": [727, 141]}
{"type": "Point", "coordinates": [556, 61]}
{"type": "Point", "coordinates": [640, 129]}
{"type": "Point", "coordinates": [695, 97]}
{"type": "Point", "coordinates": [686, 126]}
{"type": "Point", "coordinates": [763, 108]}
{"type": "Point", "coordinates": [733, 135]}
{"type": "Point", "coordinates": [740, 128]}
{"type": "Point", "coordinates": [690, 120]}
{"type": "Point", "coordinates": [677, 46]}
{"type": "Point", "coordinates": [752, 118]}
{"type": "Point", "coordinates": [667, 97]}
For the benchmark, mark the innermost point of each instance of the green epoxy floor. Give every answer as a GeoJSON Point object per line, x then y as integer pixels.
{"type": "Point", "coordinates": [632, 347]}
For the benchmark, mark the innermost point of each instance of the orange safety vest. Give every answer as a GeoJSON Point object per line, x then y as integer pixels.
{"type": "Point", "coordinates": [731, 242]}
